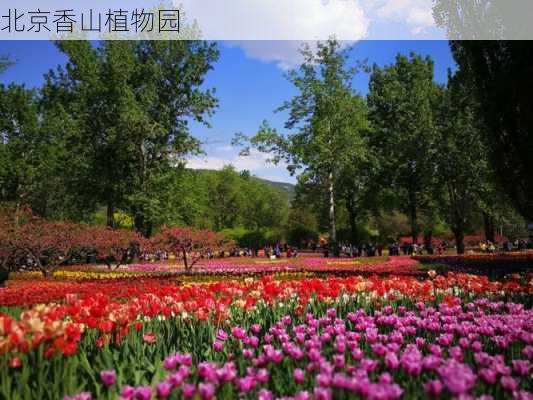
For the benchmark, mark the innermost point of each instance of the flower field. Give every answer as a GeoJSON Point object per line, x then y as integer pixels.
{"type": "Point", "coordinates": [312, 328]}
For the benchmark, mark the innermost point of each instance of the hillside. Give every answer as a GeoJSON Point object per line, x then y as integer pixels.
{"type": "Point", "coordinates": [285, 187]}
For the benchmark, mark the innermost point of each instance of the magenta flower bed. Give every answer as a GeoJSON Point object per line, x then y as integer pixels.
{"type": "Point", "coordinates": [481, 349]}
{"type": "Point", "coordinates": [394, 265]}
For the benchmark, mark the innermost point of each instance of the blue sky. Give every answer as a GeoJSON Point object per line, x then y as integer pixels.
{"type": "Point", "coordinates": [250, 85]}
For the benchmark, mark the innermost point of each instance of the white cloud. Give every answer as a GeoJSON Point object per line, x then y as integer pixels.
{"type": "Point", "coordinates": [416, 14]}
{"type": "Point", "coordinates": [257, 163]}
{"type": "Point", "coordinates": [284, 53]}
{"type": "Point", "coordinates": [273, 30]}
{"type": "Point", "coordinates": [278, 19]}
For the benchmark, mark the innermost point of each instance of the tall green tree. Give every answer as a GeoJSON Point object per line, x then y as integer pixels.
{"type": "Point", "coordinates": [131, 103]}
{"type": "Point", "coordinates": [501, 73]}
{"type": "Point", "coordinates": [401, 101]}
{"type": "Point", "coordinates": [323, 119]}
{"type": "Point", "coordinates": [355, 178]}
{"type": "Point", "coordinates": [19, 143]}
{"type": "Point", "coordinates": [463, 170]}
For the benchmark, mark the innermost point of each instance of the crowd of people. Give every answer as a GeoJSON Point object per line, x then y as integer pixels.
{"type": "Point", "coordinates": [486, 246]}
{"type": "Point", "coordinates": [394, 249]}
{"type": "Point", "coordinates": [361, 250]}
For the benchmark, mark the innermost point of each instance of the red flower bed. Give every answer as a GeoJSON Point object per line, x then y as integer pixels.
{"type": "Point", "coordinates": [33, 292]}
{"type": "Point", "coordinates": [101, 306]}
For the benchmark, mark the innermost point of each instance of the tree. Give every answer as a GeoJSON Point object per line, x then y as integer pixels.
{"type": "Point", "coordinates": [20, 143]}
{"type": "Point", "coordinates": [189, 244]}
{"type": "Point", "coordinates": [116, 246]}
{"type": "Point", "coordinates": [7, 250]}
{"type": "Point", "coordinates": [130, 104]}
{"type": "Point", "coordinates": [325, 119]}
{"type": "Point", "coordinates": [501, 75]}
{"type": "Point", "coordinates": [355, 179]}
{"type": "Point", "coordinates": [44, 245]}
{"type": "Point", "coordinates": [401, 102]}
{"type": "Point", "coordinates": [226, 198]}
{"type": "Point", "coordinates": [302, 226]}
{"type": "Point", "coordinates": [462, 159]}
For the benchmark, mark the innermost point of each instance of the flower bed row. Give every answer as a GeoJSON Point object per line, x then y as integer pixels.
{"type": "Point", "coordinates": [333, 347]}
{"type": "Point", "coordinates": [377, 356]}
{"type": "Point", "coordinates": [231, 267]}
{"type": "Point", "coordinates": [102, 306]}
{"type": "Point", "coordinates": [506, 262]}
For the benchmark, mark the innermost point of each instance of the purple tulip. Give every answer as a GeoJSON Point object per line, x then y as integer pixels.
{"type": "Point", "coordinates": [143, 393]}
{"type": "Point", "coordinates": [245, 384]}
{"type": "Point", "coordinates": [302, 395]}
{"type": "Point", "coordinates": [509, 383]}
{"type": "Point", "coordinates": [262, 375]}
{"type": "Point", "coordinates": [206, 390]}
{"type": "Point", "coordinates": [238, 333]}
{"type": "Point", "coordinates": [265, 394]}
{"type": "Point", "coordinates": [222, 335]}
{"type": "Point", "coordinates": [188, 391]}
{"type": "Point", "coordinates": [170, 363]}
{"type": "Point", "coordinates": [457, 377]}
{"type": "Point", "coordinates": [127, 392]}
{"type": "Point", "coordinates": [175, 380]}
{"type": "Point", "coordinates": [163, 390]}
{"type": "Point", "coordinates": [218, 346]}
{"type": "Point", "coordinates": [488, 375]}
{"type": "Point", "coordinates": [433, 388]}
{"type": "Point", "coordinates": [299, 375]}
{"type": "Point", "coordinates": [108, 377]}
{"type": "Point", "coordinates": [184, 359]}
{"type": "Point", "coordinates": [391, 361]}
{"type": "Point", "coordinates": [521, 367]}
{"type": "Point", "coordinates": [322, 393]}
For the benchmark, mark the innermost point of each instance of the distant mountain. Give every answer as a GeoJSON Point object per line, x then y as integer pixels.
{"type": "Point", "coordinates": [285, 187]}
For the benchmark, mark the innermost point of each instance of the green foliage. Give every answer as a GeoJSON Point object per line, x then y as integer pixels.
{"type": "Point", "coordinates": [225, 199]}
{"type": "Point", "coordinates": [110, 131]}
{"type": "Point", "coordinates": [129, 103]}
{"type": "Point", "coordinates": [463, 171]}
{"type": "Point", "coordinates": [22, 148]}
{"type": "Point", "coordinates": [401, 100]}
{"type": "Point", "coordinates": [500, 72]}
{"type": "Point", "coordinates": [254, 238]}
{"type": "Point", "coordinates": [326, 119]}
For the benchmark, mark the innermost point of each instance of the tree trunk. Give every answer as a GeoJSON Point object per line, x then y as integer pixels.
{"type": "Point", "coordinates": [332, 226]}
{"type": "Point", "coordinates": [47, 273]}
{"type": "Point", "coordinates": [414, 224]}
{"type": "Point", "coordinates": [428, 239]}
{"type": "Point", "coordinates": [141, 224]}
{"type": "Point", "coordinates": [352, 215]}
{"type": "Point", "coordinates": [148, 229]}
{"type": "Point", "coordinates": [459, 235]}
{"type": "Point", "coordinates": [490, 229]}
{"type": "Point", "coordinates": [185, 260]}
{"type": "Point", "coordinates": [110, 215]}
{"type": "Point", "coordinates": [353, 227]}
